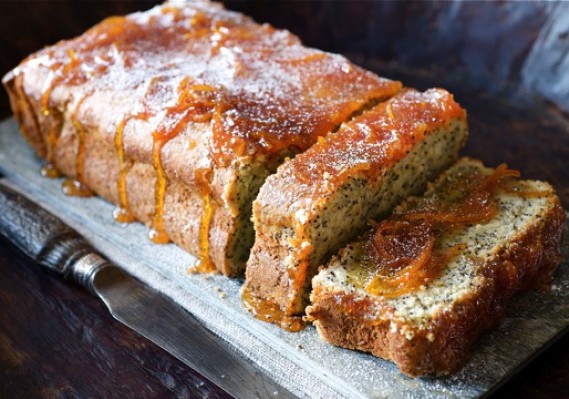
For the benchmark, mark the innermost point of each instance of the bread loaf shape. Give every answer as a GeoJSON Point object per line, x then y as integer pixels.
{"type": "Point", "coordinates": [324, 197]}
{"type": "Point", "coordinates": [422, 285]}
{"type": "Point", "coordinates": [179, 113]}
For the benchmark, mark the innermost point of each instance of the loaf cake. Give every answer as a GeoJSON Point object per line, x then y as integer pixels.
{"type": "Point", "coordinates": [422, 285]}
{"type": "Point", "coordinates": [321, 199]}
{"type": "Point", "coordinates": [178, 114]}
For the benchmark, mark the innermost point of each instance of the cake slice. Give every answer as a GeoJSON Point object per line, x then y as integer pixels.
{"type": "Point", "coordinates": [422, 285]}
{"type": "Point", "coordinates": [179, 113]}
{"type": "Point", "coordinates": [324, 197]}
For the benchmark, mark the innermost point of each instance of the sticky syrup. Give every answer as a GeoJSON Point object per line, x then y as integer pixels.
{"type": "Point", "coordinates": [268, 311]}
{"type": "Point", "coordinates": [403, 247]}
{"type": "Point", "coordinates": [122, 213]}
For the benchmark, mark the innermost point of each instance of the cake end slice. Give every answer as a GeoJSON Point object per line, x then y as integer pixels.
{"type": "Point", "coordinates": [423, 304]}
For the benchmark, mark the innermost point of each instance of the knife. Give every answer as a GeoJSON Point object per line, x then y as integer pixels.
{"type": "Point", "coordinates": [55, 246]}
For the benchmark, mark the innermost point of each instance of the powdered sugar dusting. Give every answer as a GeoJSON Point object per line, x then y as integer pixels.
{"type": "Point", "coordinates": [269, 89]}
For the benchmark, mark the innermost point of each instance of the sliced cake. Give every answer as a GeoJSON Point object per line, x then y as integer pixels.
{"type": "Point", "coordinates": [422, 285]}
{"type": "Point", "coordinates": [324, 197]}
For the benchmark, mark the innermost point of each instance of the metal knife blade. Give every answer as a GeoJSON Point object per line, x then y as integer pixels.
{"type": "Point", "coordinates": [54, 245]}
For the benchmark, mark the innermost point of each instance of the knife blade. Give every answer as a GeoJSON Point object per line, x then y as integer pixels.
{"type": "Point", "coordinates": [57, 247]}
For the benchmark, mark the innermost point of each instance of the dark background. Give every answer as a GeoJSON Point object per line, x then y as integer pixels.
{"type": "Point", "coordinates": [506, 62]}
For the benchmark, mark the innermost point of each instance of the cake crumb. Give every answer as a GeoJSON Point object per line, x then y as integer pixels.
{"type": "Point", "coordinates": [222, 294]}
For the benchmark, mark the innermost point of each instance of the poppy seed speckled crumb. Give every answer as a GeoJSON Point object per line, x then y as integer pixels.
{"type": "Point", "coordinates": [429, 331]}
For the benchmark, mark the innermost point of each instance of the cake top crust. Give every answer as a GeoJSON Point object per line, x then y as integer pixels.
{"type": "Point", "coordinates": [261, 90]}
{"type": "Point", "coordinates": [368, 144]}
{"type": "Point", "coordinates": [388, 130]}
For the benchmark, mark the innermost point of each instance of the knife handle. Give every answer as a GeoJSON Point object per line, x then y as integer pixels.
{"type": "Point", "coordinates": [47, 239]}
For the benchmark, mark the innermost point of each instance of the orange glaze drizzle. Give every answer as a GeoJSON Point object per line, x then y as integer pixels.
{"type": "Point", "coordinates": [204, 264]}
{"type": "Point", "coordinates": [76, 187]}
{"type": "Point", "coordinates": [49, 170]}
{"type": "Point", "coordinates": [200, 26]}
{"type": "Point", "coordinates": [270, 312]}
{"type": "Point", "coordinates": [158, 233]}
{"type": "Point", "coordinates": [122, 213]}
{"type": "Point", "coordinates": [61, 74]}
{"type": "Point", "coordinates": [403, 246]}
{"type": "Point", "coordinates": [195, 104]}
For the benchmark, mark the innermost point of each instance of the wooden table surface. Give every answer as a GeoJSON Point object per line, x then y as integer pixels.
{"type": "Point", "coordinates": [58, 342]}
